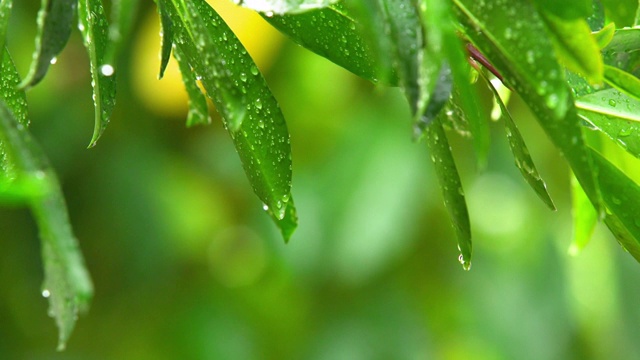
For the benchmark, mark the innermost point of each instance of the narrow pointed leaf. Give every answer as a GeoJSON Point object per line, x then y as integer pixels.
{"type": "Point", "coordinates": [5, 14]}
{"type": "Point", "coordinates": [95, 35]}
{"type": "Point", "coordinates": [289, 222]}
{"type": "Point", "coordinates": [198, 108]}
{"type": "Point", "coordinates": [616, 115]}
{"type": "Point", "coordinates": [584, 218]}
{"type": "Point", "coordinates": [533, 73]}
{"type": "Point", "coordinates": [576, 48]}
{"type": "Point", "coordinates": [622, 81]}
{"type": "Point", "coordinates": [520, 152]}
{"type": "Point", "coordinates": [55, 21]}
{"type": "Point", "coordinates": [248, 108]}
{"type": "Point", "coordinates": [285, 6]}
{"type": "Point", "coordinates": [333, 34]}
{"type": "Point", "coordinates": [604, 36]}
{"type": "Point", "coordinates": [16, 100]}
{"type": "Point", "coordinates": [166, 28]}
{"type": "Point", "coordinates": [123, 16]}
{"type": "Point", "coordinates": [451, 186]}
{"type": "Point", "coordinates": [438, 98]}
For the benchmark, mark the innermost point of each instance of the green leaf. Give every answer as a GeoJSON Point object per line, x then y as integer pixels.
{"type": "Point", "coordinates": [333, 34]}
{"type": "Point", "coordinates": [271, 7]}
{"type": "Point", "coordinates": [288, 223]}
{"type": "Point", "coordinates": [22, 189]}
{"type": "Point", "coordinates": [567, 9]}
{"type": "Point", "coordinates": [621, 12]}
{"type": "Point", "coordinates": [529, 67]}
{"type": "Point", "coordinates": [576, 48]}
{"type": "Point", "coordinates": [95, 35]}
{"type": "Point", "coordinates": [520, 152]}
{"type": "Point", "coordinates": [17, 102]}
{"type": "Point", "coordinates": [604, 36]}
{"type": "Point", "coordinates": [198, 108]}
{"type": "Point", "coordinates": [166, 27]}
{"type": "Point", "coordinates": [438, 98]}
{"type": "Point", "coordinates": [597, 19]}
{"type": "Point", "coordinates": [5, 14]}
{"type": "Point", "coordinates": [55, 21]}
{"type": "Point", "coordinates": [584, 218]}
{"type": "Point", "coordinates": [616, 115]}
{"type": "Point", "coordinates": [622, 81]}
{"type": "Point", "coordinates": [249, 110]}
{"type": "Point", "coordinates": [451, 186]}
{"type": "Point", "coordinates": [123, 16]}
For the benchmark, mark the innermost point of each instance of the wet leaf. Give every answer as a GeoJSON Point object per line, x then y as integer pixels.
{"type": "Point", "coordinates": [437, 100]}
{"type": "Point", "coordinates": [198, 108]}
{"type": "Point", "coordinates": [123, 16]}
{"type": "Point", "coordinates": [604, 36]}
{"type": "Point", "coordinates": [520, 152]}
{"type": "Point", "coordinates": [567, 9]}
{"type": "Point", "coordinates": [16, 100]}
{"type": "Point", "coordinates": [289, 222]}
{"type": "Point", "coordinates": [280, 7]}
{"type": "Point", "coordinates": [55, 21]}
{"type": "Point", "coordinates": [584, 218]}
{"type": "Point", "coordinates": [451, 187]}
{"type": "Point", "coordinates": [576, 48]}
{"type": "Point", "coordinates": [250, 112]}
{"type": "Point", "coordinates": [503, 33]}
{"type": "Point", "coordinates": [166, 27]}
{"type": "Point", "coordinates": [622, 81]}
{"type": "Point", "coordinates": [5, 14]}
{"type": "Point", "coordinates": [616, 115]}
{"type": "Point", "coordinates": [597, 19]}
{"type": "Point", "coordinates": [95, 36]}
{"type": "Point", "coordinates": [333, 34]}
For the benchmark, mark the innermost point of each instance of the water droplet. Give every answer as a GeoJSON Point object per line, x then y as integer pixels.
{"type": "Point", "coordinates": [612, 102]}
{"type": "Point", "coordinates": [254, 70]}
{"type": "Point", "coordinates": [46, 293]}
{"type": "Point", "coordinates": [53, 60]}
{"type": "Point", "coordinates": [625, 132]}
{"type": "Point", "coordinates": [258, 104]}
{"type": "Point", "coordinates": [107, 70]}
{"type": "Point", "coordinates": [466, 265]}
{"type": "Point", "coordinates": [265, 207]}
{"type": "Point", "coordinates": [552, 101]}
{"type": "Point", "coordinates": [243, 77]}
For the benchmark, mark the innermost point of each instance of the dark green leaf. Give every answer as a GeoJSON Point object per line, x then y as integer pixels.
{"type": "Point", "coordinates": [55, 21]}
{"type": "Point", "coordinates": [166, 27]}
{"type": "Point", "coordinates": [437, 100]}
{"type": "Point", "coordinates": [621, 12]}
{"type": "Point", "coordinates": [249, 110]}
{"type": "Point", "coordinates": [622, 81]}
{"type": "Point", "coordinates": [123, 16]}
{"type": "Point", "coordinates": [5, 14]}
{"type": "Point", "coordinates": [584, 218]}
{"type": "Point", "coordinates": [280, 7]}
{"type": "Point", "coordinates": [567, 9]}
{"type": "Point", "coordinates": [616, 115]}
{"type": "Point", "coordinates": [198, 108]}
{"type": "Point", "coordinates": [333, 33]}
{"type": "Point", "coordinates": [95, 35]}
{"type": "Point", "coordinates": [576, 48]}
{"type": "Point", "coordinates": [451, 186]}
{"type": "Point", "coordinates": [289, 222]}
{"type": "Point", "coordinates": [597, 19]}
{"type": "Point", "coordinates": [520, 152]}
{"type": "Point", "coordinates": [503, 33]}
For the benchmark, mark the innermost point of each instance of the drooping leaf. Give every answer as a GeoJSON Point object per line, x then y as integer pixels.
{"type": "Point", "coordinates": [198, 108]}
{"type": "Point", "coordinates": [289, 222]}
{"type": "Point", "coordinates": [568, 9]}
{"type": "Point", "coordinates": [280, 7]}
{"type": "Point", "coordinates": [520, 152]}
{"type": "Point", "coordinates": [55, 21]}
{"type": "Point", "coordinates": [166, 28]}
{"type": "Point", "coordinates": [576, 48]}
{"type": "Point", "coordinates": [95, 35]}
{"type": "Point", "coordinates": [16, 100]}
{"type": "Point", "coordinates": [605, 35]}
{"type": "Point", "coordinates": [438, 98]}
{"type": "Point", "coordinates": [616, 115]}
{"type": "Point", "coordinates": [333, 33]}
{"type": "Point", "coordinates": [5, 13]}
{"type": "Point", "coordinates": [584, 218]}
{"type": "Point", "coordinates": [248, 108]}
{"type": "Point", "coordinates": [451, 187]}
{"type": "Point", "coordinates": [622, 81]}
{"type": "Point", "coordinates": [123, 16]}
{"type": "Point", "coordinates": [530, 68]}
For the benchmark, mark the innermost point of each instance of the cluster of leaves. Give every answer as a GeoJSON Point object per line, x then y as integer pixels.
{"type": "Point", "coordinates": [568, 62]}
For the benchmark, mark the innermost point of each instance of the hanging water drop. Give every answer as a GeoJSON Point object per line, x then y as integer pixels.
{"type": "Point", "coordinates": [46, 293]}
{"type": "Point", "coordinates": [107, 70]}
{"type": "Point", "coordinates": [53, 60]}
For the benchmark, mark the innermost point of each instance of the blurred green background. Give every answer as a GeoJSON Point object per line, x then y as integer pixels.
{"type": "Point", "coordinates": [186, 264]}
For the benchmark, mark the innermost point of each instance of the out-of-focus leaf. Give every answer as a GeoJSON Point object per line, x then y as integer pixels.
{"type": "Point", "coordinates": [95, 35]}
{"type": "Point", "coordinates": [622, 81]}
{"type": "Point", "coordinates": [451, 186]}
{"type": "Point", "coordinates": [616, 115]}
{"type": "Point", "coordinates": [576, 48]}
{"type": "Point", "coordinates": [605, 35]}
{"type": "Point", "coordinates": [166, 27]}
{"type": "Point", "coordinates": [250, 112]}
{"type": "Point", "coordinates": [622, 198]}
{"type": "Point", "coordinates": [568, 9]}
{"type": "Point", "coordinates": [584, 218]}
{"type": "Point", "coordinates": [597, 18]}
{"type": "Point", "coordinates": [501, 31]}
{"type": "Point", "coordinates": [280, 7]}
{"type": "Point", "coordinates": [333, 33]}
{"type": "Point", "coordinates": [621, 12]}
{"type": "Point", "coordinates": [123, 15]}
{"type": "Point", "coordinates": [520, 152]}
{"type": "Point", "coordinates": [55, 21]}
{"type": "Point", "coordinates": [198, 108]}
{"type": "Point", "coordinates": [438, 98]}
{"type": "Point", "coordinates": [22, 189]}
{"type": "Point", "coordinates": [5, 13]}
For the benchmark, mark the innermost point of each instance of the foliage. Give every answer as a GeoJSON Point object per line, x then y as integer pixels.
{"type": "Point", "coordinates": [571, 64]}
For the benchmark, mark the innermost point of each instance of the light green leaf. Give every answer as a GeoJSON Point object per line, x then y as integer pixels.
{"type": "Point", "coordinates": [5, 14]}
{"type": "Point", "coordinates": [520, 152]}
{"type": "Point", "coordinates": [567, 9]}
{"type": "Point", "coordinates": [166, 27]}
{"type": "Point", "coordinates": [622, 81]}
{"type": "Point", "coordinates": [55, 21]}
{"type": "Point", "coordinates": [451, 186]}
{"type": "Point", "coordinates": [271, 7]}
{"type": "Point", "coordinates": [501, 31]}
{"type": "Point", "coordinates": [616, 115]}
{"type": "Point", "coordinates": [604, 36]}
{"type": "Point", "coordinates": [333, 34]}
{"type": "Point", "coordinates": [95, 35]}
{"type": "Point", "coordinates": [576, 48]}
{"type": "Point", "coordinates": [250, 112]}
{"type": "Point", "coordinates": [198, 108]}
{"type": "Point", "coordinates": [584, 218]}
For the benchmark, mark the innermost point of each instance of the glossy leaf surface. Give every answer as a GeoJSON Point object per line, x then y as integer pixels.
{"type": "Point", "coordinates": [622, 81]}
{"type": "Point", "coordinates": [585, 218]}
{"type": "Point", "coordinates": [198, 108]}
{"type": "Point", "coordinates": [280, 7]}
